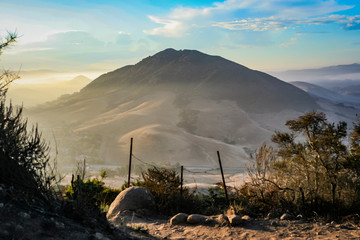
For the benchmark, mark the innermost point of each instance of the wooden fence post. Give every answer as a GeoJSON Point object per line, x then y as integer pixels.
{"type": "Point", "coordinates": [223, 179]}
{"type": "Point", "coordinates": [130, 157]}
{"type": "Point", "coordinates": [181, 186]}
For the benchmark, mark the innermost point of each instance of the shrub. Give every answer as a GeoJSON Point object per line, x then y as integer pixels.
{"type": "Point", "coordinates": [24, 159]}
{"type": "Point", "coordinates": [312, 170]}
{"type": "Point", "coordinates": [91, 193]}
{"type": "Point", "coordinates": [165, 184]}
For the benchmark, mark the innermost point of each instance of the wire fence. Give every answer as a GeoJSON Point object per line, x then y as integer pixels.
{"type": "Point", "coordinates": [197, 176]}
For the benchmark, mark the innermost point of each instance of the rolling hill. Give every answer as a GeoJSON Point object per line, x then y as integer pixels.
{"type": "Point", "coordinates": [34, 94]}
{"type": "Point", "coordinates": [180, 106]}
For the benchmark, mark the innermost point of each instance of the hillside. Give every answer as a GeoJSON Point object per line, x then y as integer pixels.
{"type": "Point", "coordinates": [180, 106]}
{"type": "Point", "coordinates": [34, 94]}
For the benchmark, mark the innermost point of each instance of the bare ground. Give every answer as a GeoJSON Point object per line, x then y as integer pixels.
{"type": "Point", "coordinates": [253, 229]}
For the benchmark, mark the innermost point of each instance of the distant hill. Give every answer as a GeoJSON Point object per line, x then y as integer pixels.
{"type": "Point", "coordinates": [330, 70]}
{"type": "Point", "coordinates": [352, 90]}
{"type": "Point", "coordinates": [34, 94]}
{"type": "Point", "coordinates": [337, 97]}
{"type": "Point", "coordinates": [180, 106]}
{"type": "Point", "coordinates": [328, 77]}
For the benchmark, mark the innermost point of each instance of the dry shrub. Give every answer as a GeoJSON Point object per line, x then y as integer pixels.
{"type": "Point", "coordinates": [312, 170]}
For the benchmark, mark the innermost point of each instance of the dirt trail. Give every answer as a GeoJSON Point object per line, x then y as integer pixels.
{"type": "Point", "coordinates": [253, 229]}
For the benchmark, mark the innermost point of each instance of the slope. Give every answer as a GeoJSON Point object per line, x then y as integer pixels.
{"type": "Point", "coordinates": [180, 106]}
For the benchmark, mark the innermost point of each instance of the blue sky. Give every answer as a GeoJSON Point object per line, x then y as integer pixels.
{"type": "Point", "coordinates": [99, 36]}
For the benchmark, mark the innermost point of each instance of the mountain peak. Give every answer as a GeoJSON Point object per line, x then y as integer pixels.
{"type": "Point", "coordinates": [191, 72]}
{"type": "Point", "coordinates": [170, 55]}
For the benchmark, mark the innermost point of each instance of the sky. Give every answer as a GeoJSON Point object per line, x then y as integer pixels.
{"type": "Point", "coordinates": [85, 36]}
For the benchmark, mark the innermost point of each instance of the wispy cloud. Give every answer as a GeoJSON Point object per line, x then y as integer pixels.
{"type": "Point", "coordinates": [292, 41]}
{"type": "Point", "coordinates": [256, 24]}
{"type": "Point", "coordinates": [273, 23]}
{"type": "Point", "coordinates": [170, 28]}
{"type": "Point", "coordinates": [27, 49]}
{"type": "Point", "coordinates": [278, 15]}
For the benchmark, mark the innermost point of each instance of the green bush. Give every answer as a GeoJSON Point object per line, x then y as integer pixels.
{"type": "Point", "coordinates": [91, 193]}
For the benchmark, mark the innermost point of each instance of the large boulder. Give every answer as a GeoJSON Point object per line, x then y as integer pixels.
{"type": "Point", "coordinates": [235, 220]}
{"type": "Point", "coordinates": [132, 199]}
{"type": "Point", "coordinates": [196, 219]}
{"type": "Point", "coordinates": [179, 218]}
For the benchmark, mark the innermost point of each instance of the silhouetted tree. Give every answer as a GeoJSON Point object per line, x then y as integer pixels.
{"type": "Point", "coordinates": [24, 156]}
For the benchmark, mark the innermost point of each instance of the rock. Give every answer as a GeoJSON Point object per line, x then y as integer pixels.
{"type": "Point", "coordinates": [273, 214]}
{"type": "Point", "coordinates": [222, 219]}
{"type": "Point", "coordinates": [2, 192]}
{"type": "Point", "coordinates": [179, 218]}
{"type": "Point", "coordinates": [246, 218]}
{"type": "Point", "coordinates": [47, 224]}
{"type": "Point", "coordinates": [196, 219]}
{"type": "Point", "coordinates": [24, 215]}
{"type": "Point", "coordinates": [286, 216]}
{"type": "Point", "coordinates": [59, 225]}
{"type": "Point", "coordinates": [210, 222]}
{"type": "Point", "coordinates": [19, 230]}
{"type": "Point", "coordinates": [100, 236]}
{"type": "Point", "coordinates": [133, 198]}
{"type": "Point", "coordinates": [235, 220]}
{"type": "Point", "coordinates": [4, 234]}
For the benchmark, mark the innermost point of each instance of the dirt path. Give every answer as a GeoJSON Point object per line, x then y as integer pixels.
{"type": "Point", "coordinates": [253, 229]}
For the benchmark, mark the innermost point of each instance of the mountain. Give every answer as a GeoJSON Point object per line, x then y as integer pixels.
{"type": "Point", "coordinates": [179, 106]}
{"type": "Point", "coordinates": [330, 70]}
{"type": "Point", "coordinates": [327, 77]}
{"type": "Point", "coordinates": [34, 94]}
{"type": "Point", "coordinates": [194, 73]}
{"type": "Point", "coordinates": [352, 90]}
{"type": "Point", "coordinates": [336, 97]}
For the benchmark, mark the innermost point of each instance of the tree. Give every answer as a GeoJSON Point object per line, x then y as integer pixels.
{"type": "Point", "coordinates": [24, 159]}
{"type": "Point", "coordinates": [312, 156]}
{"type": "Point", "coordinates": [7, 76]}
{"type": "Point", "coordinates": [314, 169]}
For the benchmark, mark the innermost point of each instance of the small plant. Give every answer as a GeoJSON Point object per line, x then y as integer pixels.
{"type": "Point", "coordinates": [92, 192]}
{"type": "Point", "coordinates": [141, 229]}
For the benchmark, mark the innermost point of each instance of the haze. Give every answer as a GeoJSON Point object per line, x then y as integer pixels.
{"type": "Point", "coordinates": [100, 36]}
{"type": "Point", "coordinates": [178, 75]}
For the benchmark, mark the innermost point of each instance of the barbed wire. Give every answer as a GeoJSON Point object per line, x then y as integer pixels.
{"type": "Point", "coordinates": [197, 170]}
{"type": "Point", "coordinates": [142, 161]}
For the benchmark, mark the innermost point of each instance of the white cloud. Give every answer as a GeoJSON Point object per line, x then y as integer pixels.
{"type": "Point", "coordinates": [123, 33]}
{"type": "Point", "coordinates": [292, 41]}
{"type": "Point", "coordinates": [171, 28]}
{"type": "Point", "coordinates": [284, 14]}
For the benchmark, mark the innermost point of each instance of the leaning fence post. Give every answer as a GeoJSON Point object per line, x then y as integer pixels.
{"type": "Point", "coordinates": [131, 146]}
{"type": "Point", "coordinates": [223, 179]}
{"type": "Point", "coordinates": [181, 186]}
